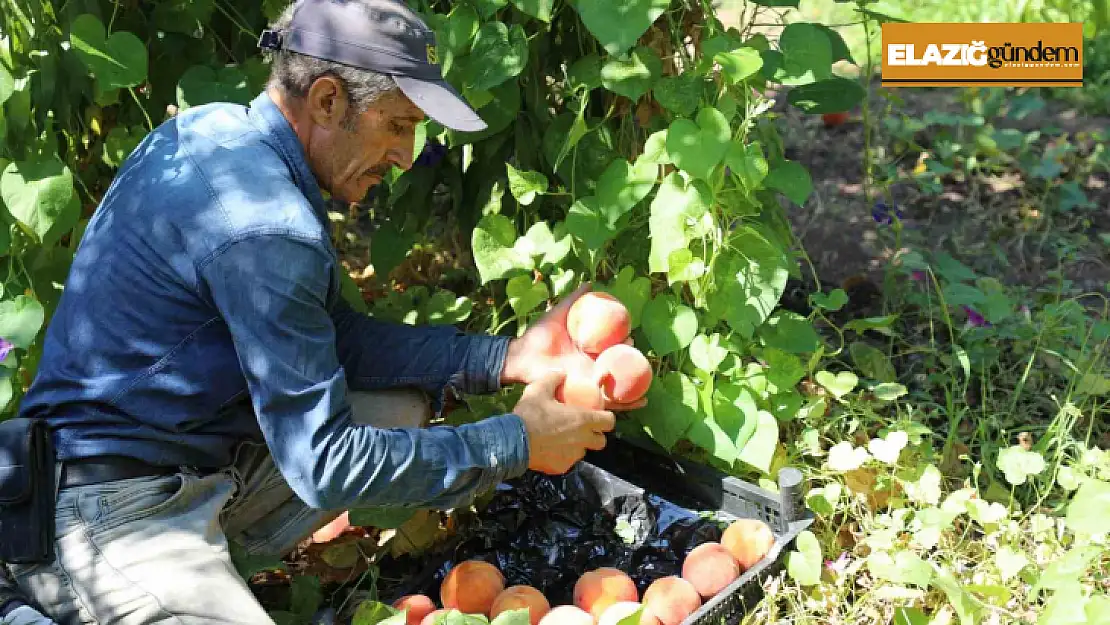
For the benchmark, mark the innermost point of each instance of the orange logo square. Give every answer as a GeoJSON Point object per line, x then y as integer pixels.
{"type": "Point", "coordinates": [982, 55]}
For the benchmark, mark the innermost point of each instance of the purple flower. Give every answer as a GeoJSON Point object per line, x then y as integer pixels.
{"type": "Point", "coordinates": [881, 213]}
{"type": "Point", "coordinates": [918, 276]}
{"type": "Point", "coordinates": [840, 565]}
{"type": "Point", "coordinates": [974, 318]}
{"type": "Point", "coordinates": [5, 348]}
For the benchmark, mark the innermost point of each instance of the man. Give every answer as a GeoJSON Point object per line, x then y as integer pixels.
{"type": "Point", "coordinates": [200, 371]}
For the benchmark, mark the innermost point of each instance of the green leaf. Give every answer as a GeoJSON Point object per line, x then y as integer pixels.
{"type": "Point", "coordinates": [618, 25]}
{"type": "Point", "coordinates": [835, 300]}
{"type": "Point", "coordinates": [735, 412]}
{"type": "Point", "coordinates": [493, 243]}
{"type": "Point", "coordinates": [486, 8]}
{"type": "Point", "coordinates": [372, 612]}
{"type": "Point", "coordinates": [633, 291]}
{"type": "Point", "coordinates": [749, 279]}
{"type": "Point", "coordinates": [632, 76]}
{"type": "Point", "coordinates": [679, 94]}
{"type": "Point", "coordinates": [117, 62]}
{"type": "Point", "coordinates": [305, 596]}
{"type": "Point", "coordinates": [675, 204]}
{"type": "Point", "coordinates": [539, 9]}
{"type": "Point", "coordinates": [183, 16]}
{"type": "Point", "coordinates": [248, 565]}
{"type": "Point", "coordinates": [499, 53]}
{"type": "Point", "coordinates": [708, 435]}
{"type": "Point", "coordinates": [1010, 562]}
{"type": "Point", "coordinates": [669, 325]}
{"type": "Point", "coordinates": [682, 266]}
{"type": "Point", "coordinates": [1068, 606]}
{"type": "Point", "coordinates": [889, 391]}
{"type": "Point", "coordinates": [623, 185]}
{"type": "Point", "coordinates": [525, 185]}
{"type": "Point", "coordinates": [784, 369]}
{"type": "Point", "coordinates": [380, 517]}
{"type": "Point", "coordinates": [748, 163]}
{"type": "Point", "coordinates": [807, 54]}
{"type": "Point", "coordinates": [587, 222]}
{"type": "Point", "coordinates": [7, 87]}
{"type": "Point", "coordinates": [540, 243]}
{"type": "Point", "coordinates": [840, 50]}
{"type": "Point", "coordinates": [525, 294]}
{"type": "Point", "coordinates": [872, 363]}
{"type": "Point", "coordinates": [910, 616]}
{"type": "Point", "coordinates": [706, 352]}
{"type": "Point", "coordinates": [1018, 464]}
{"type": "Point", "coordinates": [804, 563]}
{"type": "Point", "coordinates": [831, 95]}
{"type": "Point", "coordinates": [519, 616]}
{"type": "Point", "coordinates": [789, 332]}
{"type": "Point", "coordinates": [120, 142]}
{"type": "Point", "coordinates": [904, 568]}
{"type": "Point", "coordinates": [585, 73]}
{"type": "Point", "coordinates": [791, 179]}
{"type": "Point", "coordinates": [1090, 508]}
{"type": "Point", "coordinates": [699, 146]}
{"type": "Point", "coordinates": [759, 450]}
{"type": "Point", "coordinates": [39, 193]}
{"type": "Point", "coordinates": [445, 308]}
{"type": "Point", "coordinates": [655, 149]}
{"type": "Point", "coordinates": [739, 64]}
{"type": "Point", "coordinates": [201, 84]}
{"type": "Point", "coordinates": [1066, 569]}
{"type": "Point", "coordinates": [839, 384]}
{"type": "Point", "coordinates": [1098, 610]}
{"type": "Point", "coordinates": [672, 407]}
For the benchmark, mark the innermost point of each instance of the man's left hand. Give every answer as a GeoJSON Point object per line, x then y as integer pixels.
{"type": "Point", "coordinates": [547, 345]}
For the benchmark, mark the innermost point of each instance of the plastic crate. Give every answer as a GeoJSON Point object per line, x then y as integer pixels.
{"type": "Point", "coordinates": [626, 467]}
{"type": "Point", "coordinates": [697, 486]}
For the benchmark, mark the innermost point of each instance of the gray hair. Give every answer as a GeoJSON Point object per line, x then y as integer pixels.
{"type": "Point", "coordinates": [293, 73]}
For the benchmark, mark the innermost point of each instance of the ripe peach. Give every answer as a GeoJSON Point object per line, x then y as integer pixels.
{"type": "Point", "coordinates": [619, 610]}
{"type": "Point", "coordinates": [419, 606]}
{"type": "Point", "coordinates": [332, 530]}
{"type": "Point", "coordinates": [748, 540]}
{"type": "Point", "coordinates": [600, 588]}
{"type": "Point", "coordinates": [671, 599]}
{"type": "Point", "coordinates": [471, 586]}
{"type": "Point", "coordinates": [567, 615]}
{"type": "Point", "coordinates": [624, 373]}
{"type": "Point", "coordinates": [597, 321]}
{"type": "Point", "coordinates": [521, 596]}
{"type": "Point", "coordinates": [710, 567]}
{"type": "Point", "coordinates": [430, 619]}
{"type": "Point", "coordinates": [581, 391]}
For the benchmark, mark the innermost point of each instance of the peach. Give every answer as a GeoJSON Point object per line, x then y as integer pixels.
{"type": "Point", "coordinates": [748, 540]}
{"type": "Point", "coordinates": [600, 588]}
{"type": "Point", "coordinates": [620, 610]}
{"type": "Point", "coordinates": [332, 530]}
{"type": "Point", "coordinates": [598, 320]}
{"type": "Point", "coordinates": [581, 391]}
{"type": "Point", "coordinates": [430, 619]}
{"type": "Point", "coordinates": [624, 373]}
{"type": "Point", "coordinates": [521, 596]}
{"type": "Point", "coordinates": [471, 586]}
{"type": "Point", "coordinates": [567, 615]}
{"type": "Point", "coordinates": [419, 606]}
{"type": "Point", "coordinates": [710, 568]}
{"type": "Point", "coordinates": [669, 600]}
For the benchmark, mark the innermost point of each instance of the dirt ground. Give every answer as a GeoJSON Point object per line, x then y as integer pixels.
{"type": "Point", "coordinates": [993, 224]}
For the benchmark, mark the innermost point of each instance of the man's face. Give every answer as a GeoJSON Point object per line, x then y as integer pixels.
{"type": "Point", "coordinates": [350, 157]}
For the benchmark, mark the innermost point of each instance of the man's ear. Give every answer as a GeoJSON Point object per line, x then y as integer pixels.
{"type": "Point", "coordinates": [326, 101]}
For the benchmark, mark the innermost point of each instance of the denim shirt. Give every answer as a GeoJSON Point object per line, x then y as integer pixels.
{"type": "Point", "coordinates": [203, 308]}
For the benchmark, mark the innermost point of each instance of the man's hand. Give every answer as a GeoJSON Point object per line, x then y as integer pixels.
{"type": "Point", "coordinates": [547, 345]}
{"type": "Point", "coordinates": [558, 434]}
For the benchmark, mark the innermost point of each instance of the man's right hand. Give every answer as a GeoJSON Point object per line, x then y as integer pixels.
{"type": "Point", "coordinates": [558, 434]}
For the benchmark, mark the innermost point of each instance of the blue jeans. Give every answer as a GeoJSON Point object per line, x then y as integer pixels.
{"type": "Point", "coordinates": [155, 550]}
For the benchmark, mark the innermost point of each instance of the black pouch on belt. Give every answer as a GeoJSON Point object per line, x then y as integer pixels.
{"type": "Point", "coordinates": [26, 492]}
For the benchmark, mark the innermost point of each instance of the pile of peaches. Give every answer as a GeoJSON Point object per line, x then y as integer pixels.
{"type": "Point", "coordinates": [602, 596]}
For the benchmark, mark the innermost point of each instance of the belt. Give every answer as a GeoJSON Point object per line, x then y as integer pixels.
{"type": "Point", "coordinates": [107, 469]}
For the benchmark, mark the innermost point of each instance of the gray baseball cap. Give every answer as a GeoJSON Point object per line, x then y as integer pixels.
{"type": "Point", "coordinates": [384, 36]}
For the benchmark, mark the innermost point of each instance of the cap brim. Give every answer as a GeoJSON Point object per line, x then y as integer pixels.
{"type": "Point", "coordinates": [441, 102]}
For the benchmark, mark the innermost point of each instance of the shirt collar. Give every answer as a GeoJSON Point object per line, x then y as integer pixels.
{"type": "Point", "coordinates": [265, 112]}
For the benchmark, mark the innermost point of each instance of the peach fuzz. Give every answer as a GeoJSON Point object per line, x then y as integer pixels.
{"type": "Point", "coordinates": [598, 320]}
{"type": "Point", "coordinates": [669, 600]}
{"type": "Point", "coordinates": [518, 597]}
{"type": "Point", "coordinates": [600, 588]}
{"type": "Point", "coordinates": [710, 568]}
{"type": "Point", "coordinates": [581, 391]}
{"type": "Point", "coordinates": [748, 540]}
{"type": "Point", "coordinates": [471, 586]}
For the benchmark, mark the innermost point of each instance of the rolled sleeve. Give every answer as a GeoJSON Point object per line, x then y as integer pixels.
{"type": "Point", "coordinates": [285, 339]}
